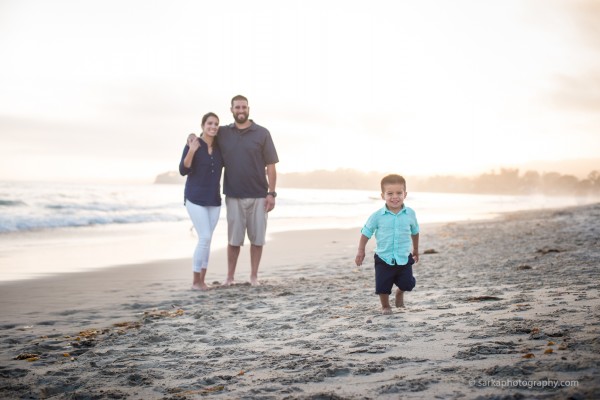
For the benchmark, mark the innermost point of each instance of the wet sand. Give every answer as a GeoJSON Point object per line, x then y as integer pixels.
{"type": "Point", "coordinates": [500, 303]}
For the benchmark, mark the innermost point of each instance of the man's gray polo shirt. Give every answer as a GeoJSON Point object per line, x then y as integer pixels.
{"type": "Point", "coordinates": [246, 154]}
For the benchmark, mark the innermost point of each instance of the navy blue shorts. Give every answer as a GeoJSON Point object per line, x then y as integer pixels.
{"type": "Point", "coordinates": [386, 276]}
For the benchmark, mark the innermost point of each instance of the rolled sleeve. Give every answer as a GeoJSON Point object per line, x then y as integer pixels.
{"type": "Point", "coordinates": [414, 229]}
{"type": "Point", "coordinates": [370, 226]}
{"type": "Point", "coordinates": [367, 232]}
{"type": "Point", "coordinates": [182, 168]}
{"type": "Point", "coordinates": [414, 226]}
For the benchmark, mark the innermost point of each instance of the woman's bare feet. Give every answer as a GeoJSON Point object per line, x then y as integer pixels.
{"type": "Point", "coordinates": [198, 280]}
{"type": "Point", "coordinates": [399, 298]}
{"type": "Point", "coordinates": [200, 286]}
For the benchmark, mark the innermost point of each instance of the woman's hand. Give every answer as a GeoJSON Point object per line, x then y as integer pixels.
{"type": "Point", "coordinates": [193, 142]}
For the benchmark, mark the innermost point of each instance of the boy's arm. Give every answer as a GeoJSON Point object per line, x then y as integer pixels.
{"type": "Point", "coordinates": [415, 243]}
{"type": "Point", "coordinates": [360, 255]}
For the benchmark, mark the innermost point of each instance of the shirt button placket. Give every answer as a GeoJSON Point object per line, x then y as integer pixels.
{"type": "Point", "coordinates": [396, 237]}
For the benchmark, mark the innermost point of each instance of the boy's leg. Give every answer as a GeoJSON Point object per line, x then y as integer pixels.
{"type": "Point", "coordinates": [405, 281]}
{"type": "Point", "coordinates": [385, 304]}
{"type": "Point", "coordinates": [384, 281]}
{"type": "Point", "coordinates": [399, 298]}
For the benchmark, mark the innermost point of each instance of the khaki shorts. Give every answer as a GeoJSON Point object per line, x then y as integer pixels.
{"type": "Point", "coordinates": [246, 215]}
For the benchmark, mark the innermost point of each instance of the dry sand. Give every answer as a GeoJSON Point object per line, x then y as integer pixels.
{"type": "Point", "coordinates": [513, 301]}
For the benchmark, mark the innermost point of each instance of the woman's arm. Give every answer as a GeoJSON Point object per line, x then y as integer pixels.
{"type": "Point", "coordinates": [194, 145]}
{"type": "Point", "coordinates": [188, 155]}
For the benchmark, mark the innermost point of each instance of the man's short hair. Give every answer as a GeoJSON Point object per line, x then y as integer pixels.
{"type": "Point", "coordinates": [238, 97]}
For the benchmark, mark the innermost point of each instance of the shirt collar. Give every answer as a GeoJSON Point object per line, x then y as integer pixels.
{"type": "Point", "coordinates": [384, 210]}
{"type": "Point", "coordinates": [248, 129]}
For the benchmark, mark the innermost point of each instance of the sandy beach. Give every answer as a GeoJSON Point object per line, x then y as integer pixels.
{"type": "Point", "coordinates": [503, 309]}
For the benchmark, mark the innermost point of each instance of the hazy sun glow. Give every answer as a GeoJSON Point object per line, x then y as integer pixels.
{"type": "Point", "coordinates": [110, 89]}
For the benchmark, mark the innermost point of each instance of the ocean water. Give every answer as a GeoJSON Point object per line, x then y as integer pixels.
{"type": "Point", "coordinates": [49, 228]}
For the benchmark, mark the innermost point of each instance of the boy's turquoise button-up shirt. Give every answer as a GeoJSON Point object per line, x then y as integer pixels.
{"type": "Point", "coordinates": [393, 233]}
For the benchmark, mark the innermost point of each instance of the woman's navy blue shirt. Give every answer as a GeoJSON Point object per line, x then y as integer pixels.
{"type": "Point", "coordinates": [203, 183]}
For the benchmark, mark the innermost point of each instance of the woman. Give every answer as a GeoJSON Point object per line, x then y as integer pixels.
{"type": "Point", "coordinates": [202, 163]}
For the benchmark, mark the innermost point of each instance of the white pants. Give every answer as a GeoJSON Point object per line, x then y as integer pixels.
{"type": "Point", "coordinates": [205, 220]}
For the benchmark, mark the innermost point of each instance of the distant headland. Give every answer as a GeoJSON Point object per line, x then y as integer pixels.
{"type": "Point", "coordinates": [169, 177]}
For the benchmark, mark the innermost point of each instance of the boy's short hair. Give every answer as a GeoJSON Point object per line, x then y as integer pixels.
{"type": "Point", "coordinates": [392, 179]}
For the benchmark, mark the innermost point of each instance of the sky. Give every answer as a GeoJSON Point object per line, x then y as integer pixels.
{"type": "Point", "coordinates": [109, 90]}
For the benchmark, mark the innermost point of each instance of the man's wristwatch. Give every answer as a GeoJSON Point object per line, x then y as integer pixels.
{"type": "Point", "coordinates": [274, 194]}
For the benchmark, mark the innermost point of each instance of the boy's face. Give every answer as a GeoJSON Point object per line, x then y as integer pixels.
{"type": "Point", "coordinates": [394, 195]}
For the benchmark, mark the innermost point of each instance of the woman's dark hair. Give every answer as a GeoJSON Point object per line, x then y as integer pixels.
{"type": "Point", "coordinates": [207, 116]}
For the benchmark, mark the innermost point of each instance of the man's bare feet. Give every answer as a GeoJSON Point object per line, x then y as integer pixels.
{"type": "Point", "coordinates": [202, 286]}
{"type": "Point", "coordinates": [399, 298]}
{"type": "Point", "coordinates": [228, 282]}
{"type": "Point", "coordinates": [386, 310]}
{"type": "Point", "coordinates": [254, 281]}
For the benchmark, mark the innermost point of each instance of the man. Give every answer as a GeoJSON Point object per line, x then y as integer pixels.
{"type": "Point", "coordinates": [248, 151]}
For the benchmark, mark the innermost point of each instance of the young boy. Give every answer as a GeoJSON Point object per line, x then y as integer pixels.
{"type": "Point", "coordinates": [395, 228]}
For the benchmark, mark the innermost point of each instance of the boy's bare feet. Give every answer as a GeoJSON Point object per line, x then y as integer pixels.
{"type": "Point", "coordinates": [386, 310]}
{"type": "Point", "coordinates": [384, 298]}
{"type": "Point", "coordinates": [399, 298]}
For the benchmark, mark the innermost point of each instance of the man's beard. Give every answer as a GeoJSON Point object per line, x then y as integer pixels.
{"type": "Point", "coordinates": [241, 118]}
